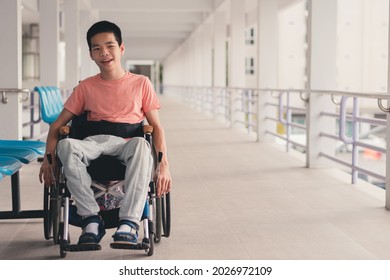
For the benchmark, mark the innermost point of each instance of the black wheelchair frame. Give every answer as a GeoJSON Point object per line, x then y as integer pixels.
{"type": "Point", "coordinates": [58, 206]}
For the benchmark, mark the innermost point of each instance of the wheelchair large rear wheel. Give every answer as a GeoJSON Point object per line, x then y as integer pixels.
{"type": "Point", "coordinates": [55, 210]}
{"type": "Point", "coordinates": [157, 219]}
{"type": "Point", "coordinates": [62, 241]}
{"type": "Point", "coordinates": [150, 250]}
{"type": "Point", "coordinates": [47, 220]}
{"type": "Point", "coordinates": [51, 206]}
{"type": "Point", "coordinates": [166, 214]}
{"type": "Point", "coordinates": [162, 217]}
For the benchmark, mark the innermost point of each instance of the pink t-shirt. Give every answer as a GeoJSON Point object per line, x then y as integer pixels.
{"type": "Point", "coordinates": [125, 100]}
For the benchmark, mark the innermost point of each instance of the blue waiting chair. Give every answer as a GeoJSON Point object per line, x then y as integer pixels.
{"type": "Point", "coordinates": [36, 146]}
{"type": "Point", "coordinates": [10, 164]}
{"type": "Point", "coordinates": [24, 155]}
{"type": "Point", "coordinates": [51, 103]}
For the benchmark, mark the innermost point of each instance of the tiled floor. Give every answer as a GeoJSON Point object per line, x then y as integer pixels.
{"type": "Point", "coordinates": [232, 198]}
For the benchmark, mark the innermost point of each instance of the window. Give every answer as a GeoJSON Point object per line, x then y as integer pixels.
{"type": "Point", "coordinates": [250, 36]}
{"type": "Point", "coordinates": [249, 66]}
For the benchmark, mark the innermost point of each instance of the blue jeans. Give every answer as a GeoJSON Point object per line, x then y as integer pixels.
{"type": "Point", "coordinates": [76, 155]}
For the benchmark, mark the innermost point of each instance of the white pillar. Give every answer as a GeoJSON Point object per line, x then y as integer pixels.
{"type": "Point", "coordinates": [88, 67]}
{"type": "Point", "coordinates": [207, 55]}
{"type": "Point", "coordinates": [191, 54]}
{"type": "Point", "coordinates": [267, 61]}
{"type": "Point", "coordinates": [219, 60]}
{"type": "Point", "coordinates": [49, 42]}
{"type": "Point", "coordinates": [219, 49]}
{"type": "Point", "coordinates": [322, 74]}
{"type": "Point", "coordinates": [157, 77]}
{"type": "Point", "coordinates": [72, 41]}
{"type": "Point", "coordinates": [11, 70]}
{"type": "Point", "coordinates": [236, 64]}
{"type": "Point", "coordinates": [237, 44]}
{"type": "Point", "coordinates": [388, 129]}
{"type": "Point", "coordinates": [198, 57]}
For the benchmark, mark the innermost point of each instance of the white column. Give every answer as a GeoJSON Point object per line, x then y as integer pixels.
{"type": "Point", "coordinates": [72, 41]}
{"type": "Point", "coordinates": [237, 44]}
{"type": "Point", "coordinates": [156, 76]}
{"type": "Point", "coordinates": [236, 64]}
{"type": "Point", "coordinates": [206, 72]}
{"type": "Point", "coordinates": [219, 59]}
{"type": "Point", "coordinates": [88, 67]}
{"type": "Point", "coordinates": [11, 70]}
{"type": "Point", "coordinates": [388, 129]}
{"type": "Point", "coordinates": [188, 61]}
{"type": "Point", "coordinates": [219, 49]}
{"type": "Point", "coordinates": [207, 58]}
{"type": "Point", "coordinates": [267, 61]}
{"type": "Point", "coordinates": [198, 59]}
{"type": "Point", "coordinates": [322, 73]}
{"type": "Point", "coordinates": [191, 54]}
{"type": "Point", "coordinates": [49, 42]}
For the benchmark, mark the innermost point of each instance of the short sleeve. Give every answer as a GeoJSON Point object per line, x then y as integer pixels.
{"type": "Point", "coordinates": [76, 103]}
{"type": "Point", "coordinates": [150, 100]}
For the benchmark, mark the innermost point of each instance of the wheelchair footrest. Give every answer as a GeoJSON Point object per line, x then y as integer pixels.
{"type": "Point", "coordinates": [140, 246]}
{"type": "Point", "coordinates": [83, 247]}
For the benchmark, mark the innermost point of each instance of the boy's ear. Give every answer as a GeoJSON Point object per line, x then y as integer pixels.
{"type": "Point", "coordinates": [122, 48]}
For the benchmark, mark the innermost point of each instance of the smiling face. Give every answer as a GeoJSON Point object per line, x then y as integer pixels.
{"type": "Point", "coordinates": [107, 53]}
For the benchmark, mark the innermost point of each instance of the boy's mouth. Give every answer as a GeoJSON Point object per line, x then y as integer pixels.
{"type": "Point", "coordinates": [106, 61]}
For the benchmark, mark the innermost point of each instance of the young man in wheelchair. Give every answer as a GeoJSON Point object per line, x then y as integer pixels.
{"type": "Point", "coordinates": [112, 96]}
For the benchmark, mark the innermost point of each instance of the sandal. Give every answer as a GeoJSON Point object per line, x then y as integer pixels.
{"type": "Point", "coordinates": [126, 238]}
{"type": "Point", "coordinates": [89, 238]}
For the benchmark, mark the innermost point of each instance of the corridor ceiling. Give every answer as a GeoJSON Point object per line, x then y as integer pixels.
{"type": "Point", "coordinates": [154, 28]}
{"type": "Point", "coordinates": [151, 29]}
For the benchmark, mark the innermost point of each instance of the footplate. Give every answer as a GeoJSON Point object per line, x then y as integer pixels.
{"type": "Point", "coordinates": [139, 246]}
{"type": "Point", "coordinates": [82, 247]}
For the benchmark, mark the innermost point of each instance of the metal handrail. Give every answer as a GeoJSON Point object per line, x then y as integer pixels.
{"type": "Point", "coordinates": [343, 117]}
{"type": "Point", "coordinates": [4, 91]}
{"type": "Point", "coordinates": [339, 98]}
{"type": "Point", "coordinates": [379, 95]}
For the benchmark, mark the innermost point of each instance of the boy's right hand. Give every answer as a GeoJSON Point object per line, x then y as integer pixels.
{"type": "Point", "coordinates": [46, 172]}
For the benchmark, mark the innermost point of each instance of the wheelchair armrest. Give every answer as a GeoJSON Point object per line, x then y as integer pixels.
{"type": "Point", "coordinates": [64, 131]}
{"type": "Point", "coordinates": [148, 129]}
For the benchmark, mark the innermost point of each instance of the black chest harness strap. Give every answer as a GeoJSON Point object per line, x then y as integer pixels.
{"type": "Point", "coordinates": [82, 128]}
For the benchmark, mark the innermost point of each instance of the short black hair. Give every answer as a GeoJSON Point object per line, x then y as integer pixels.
{"type": "Point", "coordinates": [104, 26]}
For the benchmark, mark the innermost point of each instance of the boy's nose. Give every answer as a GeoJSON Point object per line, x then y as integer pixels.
{"type": "Point", "coordinates": [104, 52]}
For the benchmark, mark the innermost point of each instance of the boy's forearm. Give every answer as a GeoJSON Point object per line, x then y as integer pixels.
{"type": "Point", "coordinates": [52, 140]}
{"type": "Point", "coordinates": [52, 136]}
{"type": "Point", "coordinates": [160, 145]}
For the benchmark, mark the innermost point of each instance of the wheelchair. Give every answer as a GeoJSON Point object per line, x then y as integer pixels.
{"type": "Point", "coordinates": [107, 175]}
